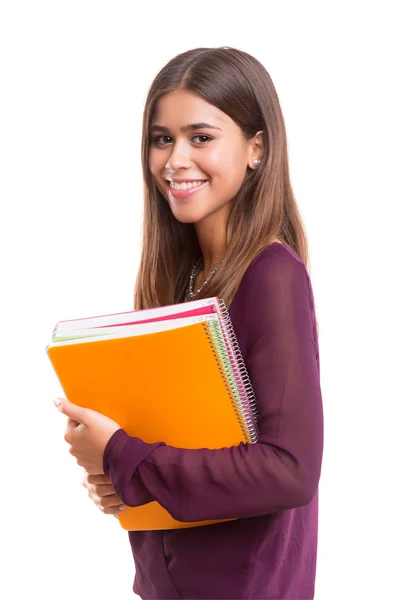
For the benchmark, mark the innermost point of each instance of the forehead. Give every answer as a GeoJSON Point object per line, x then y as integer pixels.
{"type": "Point", "coordinates": [180, 108]}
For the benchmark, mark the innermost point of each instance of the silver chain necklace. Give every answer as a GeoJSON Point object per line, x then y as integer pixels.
{"type": "Point", "coordinates": [196, 269]}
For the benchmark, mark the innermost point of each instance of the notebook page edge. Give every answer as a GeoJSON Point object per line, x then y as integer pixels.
{"type": "Point", "coordinates": [139, 315]}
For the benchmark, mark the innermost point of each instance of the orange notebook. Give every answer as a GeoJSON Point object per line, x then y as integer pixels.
{"type": "Point", "coordinates": [180, 380]}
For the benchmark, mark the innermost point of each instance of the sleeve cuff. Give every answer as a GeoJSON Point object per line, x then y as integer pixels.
{"type": "Point", "coordinates": [108, 449]}
{"type": "Point", "coordinates": [122, 456]}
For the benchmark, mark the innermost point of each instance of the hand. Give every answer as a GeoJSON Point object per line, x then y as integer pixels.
{"type": "Point", "coordinates": [88, 432]}
{"type": "Point", "coordinates": [103, 494]}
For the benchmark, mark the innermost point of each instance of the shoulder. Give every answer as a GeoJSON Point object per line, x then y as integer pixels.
{"type": "Point", "coordinates": [275, 263]}
{"type": "Point", "coordinates": [277, 277]}
{"type": "Point", "coordinates": [275, 293]}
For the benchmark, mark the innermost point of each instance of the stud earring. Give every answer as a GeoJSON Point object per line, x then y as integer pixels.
{"type": "Point", "coordinates": [256, 162]}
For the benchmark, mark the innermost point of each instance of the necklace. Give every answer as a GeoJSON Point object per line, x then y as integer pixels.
{"type": "Point", "coordinates": [190, 293]}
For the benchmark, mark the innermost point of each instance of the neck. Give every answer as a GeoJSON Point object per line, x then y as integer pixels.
{"type": "Point", "coordinates": [211, 233]}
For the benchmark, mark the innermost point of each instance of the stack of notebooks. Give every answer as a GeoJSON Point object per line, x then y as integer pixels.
{"type": "Point", "coordinates": [172, 374]}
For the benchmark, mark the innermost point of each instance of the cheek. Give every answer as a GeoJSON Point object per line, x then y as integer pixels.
{"type": "Point", "coordinates": [155, 164]}
{"type": "Point", "coordinates": [214, 162]}
{"type": "Point", "coordinates": [226, 163]}
{"type": "Point", "coordinates": [227, 171]}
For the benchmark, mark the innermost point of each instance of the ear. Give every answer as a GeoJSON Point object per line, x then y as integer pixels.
{"type": "Point", "coordinates": [256, 149]}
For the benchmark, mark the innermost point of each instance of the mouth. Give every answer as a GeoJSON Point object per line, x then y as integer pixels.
{"type": "Point", "coordinates": [185, 185]}
{"type": "Point", "coordinates": [186, 189]}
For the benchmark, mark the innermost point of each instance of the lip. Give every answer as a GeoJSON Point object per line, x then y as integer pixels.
{"type": "Point", "coordinates": [186, 193]}
{"type": "Point", "coordinates": [185, 180]}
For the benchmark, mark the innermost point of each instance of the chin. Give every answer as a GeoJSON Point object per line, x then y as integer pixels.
{"type": "Point", "coordinates": [189, 213]}
{"type": "Point", "coordinates": [187, 218]}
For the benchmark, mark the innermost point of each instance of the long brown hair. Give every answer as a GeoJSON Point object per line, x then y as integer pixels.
{"type": "Point", "coordinates": [263, 209]}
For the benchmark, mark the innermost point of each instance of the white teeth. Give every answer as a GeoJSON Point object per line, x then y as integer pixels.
{"type": "Point", "coordinates": [185, 186]}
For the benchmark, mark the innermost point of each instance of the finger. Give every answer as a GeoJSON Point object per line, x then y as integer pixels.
{"type": "Point", "coordinates": [113, 510]}
{"type": "Point", "coordinates": [109, 502]}
{"type": "Point", "coordinates": [74, 411]}
{"type": "Point", "coordinates": [101, 489]}
{"type": "Point", "coordinates": [71, 425]}
{"type": "Point", "coordinates": [97, 479]}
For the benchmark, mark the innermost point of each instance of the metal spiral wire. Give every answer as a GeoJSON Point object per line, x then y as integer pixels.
{"type": "Point", "coordinates": [245, 388]}
{"type": "Point", "coordinates": [210, 329]}
{"type": "Point", "coordinates": [218, 336]}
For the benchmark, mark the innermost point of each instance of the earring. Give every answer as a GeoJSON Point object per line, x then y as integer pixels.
{"type": "Point", "coordinates": [256, 162]}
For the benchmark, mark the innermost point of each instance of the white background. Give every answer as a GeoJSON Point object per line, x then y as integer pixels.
{"type": "Point", "coordinates": [74, 76]}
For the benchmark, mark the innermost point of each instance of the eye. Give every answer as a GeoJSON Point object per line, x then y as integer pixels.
{"type": "Point", "coordinates": [157, 139]}
{"type": "Point", "coordinates": [205, 138]}
{"type": "Point", "coordinates": [163, 140]}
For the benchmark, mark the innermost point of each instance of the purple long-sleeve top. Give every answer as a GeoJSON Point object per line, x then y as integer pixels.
{"type": "Point", "coordinates": [270, 487]}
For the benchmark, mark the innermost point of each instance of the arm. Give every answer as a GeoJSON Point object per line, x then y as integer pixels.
{"type": "Point", "coordinates": [282, 470]}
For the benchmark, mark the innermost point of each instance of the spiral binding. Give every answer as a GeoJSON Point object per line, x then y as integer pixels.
{"type": "Point", "coordinates": [243, 380]}
{"type": "Point", "coordinates": [235, 369]}
{"type": "Point", "coordinates": [218, 340]}
{"type": "Point", "coordinates": [211, 331]}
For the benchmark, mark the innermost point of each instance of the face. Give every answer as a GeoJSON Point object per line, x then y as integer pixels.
{"type": "Point", "coordinates": [193, 141]}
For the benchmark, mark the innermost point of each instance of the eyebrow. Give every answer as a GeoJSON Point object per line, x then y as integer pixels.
{"type": "Point", "coordinates": [191, 127]}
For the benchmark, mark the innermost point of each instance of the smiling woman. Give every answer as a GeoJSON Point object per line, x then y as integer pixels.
{"type": "Point", "coordinates": [220, 219]}
{"type": "Point", "coordinates": [213, 116]}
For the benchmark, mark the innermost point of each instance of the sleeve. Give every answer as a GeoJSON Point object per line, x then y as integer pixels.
{"type": "Point", "coordinates": [282, 469]}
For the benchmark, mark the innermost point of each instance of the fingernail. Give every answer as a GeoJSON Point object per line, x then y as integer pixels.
{"type": "Point", "coordinates": [122, 507]}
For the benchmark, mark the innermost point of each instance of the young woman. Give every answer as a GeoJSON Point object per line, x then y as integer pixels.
{"type": "Point", "coordinates": [220, 219]}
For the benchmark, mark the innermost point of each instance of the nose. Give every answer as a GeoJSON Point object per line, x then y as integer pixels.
{"type": "Point", "coordinates": [179, 157]}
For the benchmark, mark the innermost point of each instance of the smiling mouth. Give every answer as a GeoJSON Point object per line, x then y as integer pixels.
{"type": "Point", "coordinates": [183, 193]}
{"type": "Point", "coordinates": [189, 185]}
